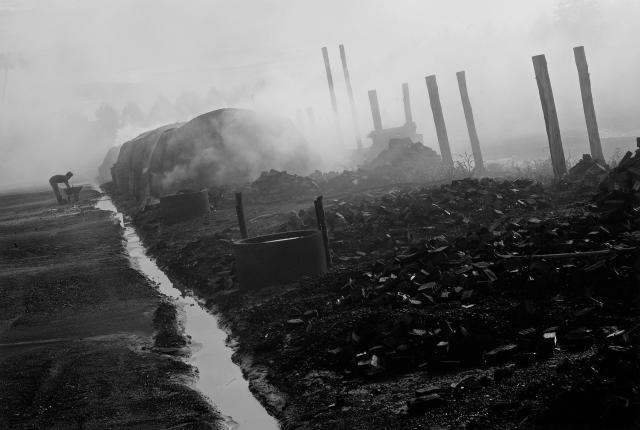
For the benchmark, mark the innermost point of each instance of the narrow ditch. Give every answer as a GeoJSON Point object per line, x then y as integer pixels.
{"type": "Point", "coordinates": [219, 378]}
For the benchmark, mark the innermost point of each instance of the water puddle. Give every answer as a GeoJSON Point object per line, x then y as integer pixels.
{"type": "Point", "coordinates": [219, 378]}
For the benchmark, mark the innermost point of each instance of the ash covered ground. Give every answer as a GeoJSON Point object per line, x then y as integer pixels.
{"type": "Point", "coordinates": [472, 303]}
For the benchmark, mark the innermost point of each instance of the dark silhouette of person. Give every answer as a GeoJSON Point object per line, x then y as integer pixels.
{"type": "Point", "coordinates": [60, 179]}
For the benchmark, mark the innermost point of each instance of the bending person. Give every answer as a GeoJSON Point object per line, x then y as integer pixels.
{"type": "Point", "coordinates": [60, 179]}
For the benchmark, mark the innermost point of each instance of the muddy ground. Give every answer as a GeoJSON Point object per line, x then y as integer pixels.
{"type": "Point", "coordinates": [462, 336]}
{"type": "Point", "coordinates": [83, 336]}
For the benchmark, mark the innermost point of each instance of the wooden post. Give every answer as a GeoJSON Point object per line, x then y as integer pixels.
{"type": "Point", "coordinates": [587, 103]}
{"type": "Point", "coordinates": [332, 92]}
{"type": "Point", "coordinates": [471, 125]}
{"type": "Point", "coordinates": [408, 117]}
{"type": "Point", "coordinates": [550, 115]}
{"type": "Point", "coordinates": [375, 110]}
{"type": "Point", "coordinates": [354, 113]}
{"type": "Point", "coordinates": [322, 226]}
{"type": "Point", "coordinates": [438, 118]}
{"type": "Point", "coordinates": [240, 212]}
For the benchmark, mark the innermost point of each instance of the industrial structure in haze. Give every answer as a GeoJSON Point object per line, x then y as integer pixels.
{"type": "Point", "coordinates": [225, 146]}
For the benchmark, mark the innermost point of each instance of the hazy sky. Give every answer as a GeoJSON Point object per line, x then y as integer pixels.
{"type": "Point", "coordinates": [80, 53]}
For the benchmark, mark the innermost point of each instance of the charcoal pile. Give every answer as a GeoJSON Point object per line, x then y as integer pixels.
{"type": "Point", "coordinates": [588, 170]}
{"type": "Point", "coordinates": [525, 265]}
{"type": "Point", "coordinates": [405, 152]}
{"type": "Point", "coordinates": [403, 162]}
{"type": "Point", "coordinates": [322, 178]}
{"type": "Point", "coordinates": [361, 179]}
{"type": "Point", "coordinates": [352, 180]}
{"type": "Point", "coordinates": [623, 182]}
{"type": "Point", "coordinates": [510, 287]}
{"type": "Point", "coordinates": [406, 161]}
{"type": "Point", "coordinates": [280, 185]}
{"type": "Point", "coordinates": [486, 291]}
{"type": "Point", "coordinates": [401, 216]}
{"type": "Point", "coordinates": [600, 392]}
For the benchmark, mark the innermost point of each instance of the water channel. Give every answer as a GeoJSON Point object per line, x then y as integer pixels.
{"type": "Point", "coordinates": [219, 378]}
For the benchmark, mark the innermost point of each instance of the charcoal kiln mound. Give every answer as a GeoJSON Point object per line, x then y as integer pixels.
{"type": "Point", "coordinates": [184, 205]}
{"type": "Point", "coordinates": [225, 146]}
{"type": "Point", "coordinates": [279, 258]}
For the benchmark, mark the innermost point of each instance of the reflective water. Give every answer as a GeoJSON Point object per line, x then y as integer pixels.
{"type": "Point", "coordinates": [219, 378]}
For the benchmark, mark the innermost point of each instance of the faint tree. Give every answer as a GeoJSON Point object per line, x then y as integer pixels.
{"type": "Point", "coordinates": [214, 99]}
{"type": "Point", "coordinates": [188, 104]}
{"type": "Point", "coordinates": [465, 163]}
{"type": "Point", "coordinates": [162, 112]}
{"type": "Point", "coordinates": [105, 125]}
{"type": "Point", "coordinates": [9, 61]}
{"type": "Point", "coordinates": [132, 115]}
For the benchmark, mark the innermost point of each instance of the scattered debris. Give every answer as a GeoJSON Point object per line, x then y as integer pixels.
{"type": "Point", "coordinates": [622, 185]}
{"type": "Point", "coordinates": [588, 170]}
{"type": "Point", "coordinates": [276, 185]}
{"type": "Point", "coordinates": [425, 403]}
{"type": "Point", "coordinates": [484, 280]}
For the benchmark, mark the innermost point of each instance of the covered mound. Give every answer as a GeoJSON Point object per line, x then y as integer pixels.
{"type": "Point", "coordinates": [132, 173]}
{"type": "Point", "coordinates": [222, 147]}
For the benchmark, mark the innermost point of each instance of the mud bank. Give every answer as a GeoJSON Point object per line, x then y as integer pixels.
{"type": "Point", "coordinates": [218, 378]}
{"type": "Point", "coordinates": [468, 357]}
{"type": "Point", "coordinates": [85, 340]}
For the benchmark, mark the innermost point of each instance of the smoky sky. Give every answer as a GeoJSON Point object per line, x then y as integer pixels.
{"type": "Point", "coordinates": [61, 60]}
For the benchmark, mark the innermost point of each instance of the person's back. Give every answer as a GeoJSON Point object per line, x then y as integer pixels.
{"type": "Point", "coordinates": [60, 179]}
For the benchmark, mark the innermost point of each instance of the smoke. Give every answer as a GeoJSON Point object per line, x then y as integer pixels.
{"type": "Point", "coordinates": [231, 146]}
{"type": "Point", "coordinates": [169, 62]}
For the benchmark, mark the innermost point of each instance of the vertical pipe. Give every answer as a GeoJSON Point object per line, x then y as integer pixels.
{"type": "Point", "coordinates": [347, 80]}
{"type": "Point", "coordinates": [550, 115]}
{"type": "Point", "coordinates": [438, 119]}
{"type": "Point", "coordinates": [332, 92]}
{"type": "Point", "coordinates": [471, 124]}
{"type": "Point", "coordinates": [408, 117]}
{"type": "Point", "coordinates": [587, 103]}
{"type": "Point", "coordinates": [241, 220]}
{"type": "Point", "coordinates": [375, 110]}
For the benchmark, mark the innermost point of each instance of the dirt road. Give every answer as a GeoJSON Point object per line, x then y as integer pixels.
{"type": "Point", "coordinates": [85, 340]}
